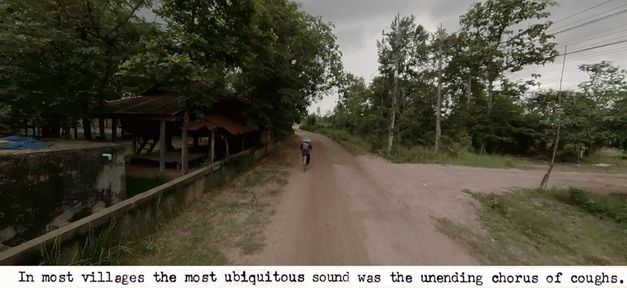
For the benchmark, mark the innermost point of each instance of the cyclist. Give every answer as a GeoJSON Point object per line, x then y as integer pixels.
{"type": "Point", "coordinates": [305, 148]}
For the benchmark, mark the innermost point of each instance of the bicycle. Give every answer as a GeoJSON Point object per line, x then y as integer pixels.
{"type": "Point", "coordinates": [305, 163]}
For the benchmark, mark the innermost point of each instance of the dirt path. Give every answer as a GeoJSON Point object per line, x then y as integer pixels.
{"type": "Point", "coordinates": [365, 210]}
{"type": "Point", "coordinates": [336, 213]}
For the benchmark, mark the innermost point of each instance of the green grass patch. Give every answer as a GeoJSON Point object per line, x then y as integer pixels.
{"type": "Point", "coordinates": [616, 158]}
{"type": "Point", "coordinates": [613, 207]}
{"type": "Point", "coordinates": [352, 143]}
{"type": "Point", "coordinates": [136, 185]}
{"type": "Point", "coordinates": [555, 227]}
{"type": "Point", "coordinates": [419, 154]}
{"type": "Point", "coordinates": [227, 223]}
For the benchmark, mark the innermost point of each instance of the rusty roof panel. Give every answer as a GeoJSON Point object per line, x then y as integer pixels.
{"type": "Point", "coordinates": [226, 123]}
{"type": "Point", "coordinates": [163, 105]}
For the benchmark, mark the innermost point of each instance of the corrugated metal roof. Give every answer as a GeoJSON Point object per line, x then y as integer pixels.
{"type": "Point", "coordinates": [226, 123]}
{"type": "Point", "coordinates": [162, 105]}
{"type": "Point", "coordinates": [213, 121]}
{"type": "Point", "coordinates": [195, 126]}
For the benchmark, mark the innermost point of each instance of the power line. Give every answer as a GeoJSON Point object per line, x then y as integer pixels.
{"type": "Point", "coordinates": [590, 17]}
{"type": "Point", "coordinates": [590, 22]}
{"type": "Point", "coordinates": [583, 11]}
{"type": "Point", "coordinates": [595, 36]}
{"type": "Point", "coordinates": [610, 52]}
{"type": "Point", "coordinates": [595, 47]}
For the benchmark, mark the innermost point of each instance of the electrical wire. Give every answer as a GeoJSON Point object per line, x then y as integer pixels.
{"type": "Point", "coordinates": [595, 36]}
{"type": "Point", "coordinates": [589, 17]}
{"type": "Point", "coordinates": [582, 11]}
{"type": "Point", "coordinates": [590, 22]}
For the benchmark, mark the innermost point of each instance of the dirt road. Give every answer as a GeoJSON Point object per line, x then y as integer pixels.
{"type": "Point", "coordinates": [365, 210]}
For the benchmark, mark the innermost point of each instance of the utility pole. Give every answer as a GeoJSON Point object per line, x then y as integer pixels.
{"type": "Point", "coordinates": [393, 109]}
{"type": "Point", "coordinates": [438, 113]}
{"type": "Point", "coordinates": [545, 179]}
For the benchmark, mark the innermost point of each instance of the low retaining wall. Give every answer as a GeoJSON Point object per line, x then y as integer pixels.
{"type": "Point", "coordinates": [43, 190]}
{"type": "Point", "coordinates": [133, 217]}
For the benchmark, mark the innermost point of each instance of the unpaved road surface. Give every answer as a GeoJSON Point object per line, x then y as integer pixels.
{"type": "Point", "coordinates": [364, 210]}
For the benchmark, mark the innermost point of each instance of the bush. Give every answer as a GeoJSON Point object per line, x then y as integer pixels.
{"type": "Point", "coordinates": [309, 123]}
{"type": "Point", "coordinates": [612, 207]}
{"type": "Point", "coordinates": [417, 154]}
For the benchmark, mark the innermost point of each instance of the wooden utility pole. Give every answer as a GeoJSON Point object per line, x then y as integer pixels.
{"type": "Point", "coordinates": [545, 179]}
{"type": "Point", "coordinates": [438, 113]}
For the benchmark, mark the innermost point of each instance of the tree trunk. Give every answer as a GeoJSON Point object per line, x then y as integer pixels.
{"type": "Point", "coordinates": [393, 112]}
{"type": "Point", "coordinates": [468, 92]}
{"type": "Point", "coordinates": [490, 97]}
{"type": "Point", "coordinates": [87, 129]}
{"type": "Point", "coordinates": [438, 112]}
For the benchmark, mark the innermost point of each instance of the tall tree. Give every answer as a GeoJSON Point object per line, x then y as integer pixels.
{"type": "Point", "coordinates": [60, 57]}
{"type": "Point", "coordinates": [400, 52]}
{"type": "Point", "coordinates": [508, 35]}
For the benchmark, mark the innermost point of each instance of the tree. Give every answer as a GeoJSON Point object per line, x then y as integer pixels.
{"type": "Point", "coordinates": [60, 57]}
{"type": "Point", "coordinates": [503, 41]}
{"type": "Point", "coordinates": [401, 51]}
{"type": "Point", "coordinates": [606, 84]}
{"type": "Point", "coordinates": [439, 38]}
{"type": "Point", "coordinates": [267, 53]}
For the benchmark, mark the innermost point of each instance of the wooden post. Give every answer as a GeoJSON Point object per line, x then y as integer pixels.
{"type": "Point", "coordinates": [213, 145]}
{"type": "Point", "coordinates": [114, 129]}
{"type": "Point", "coordinates": [226, 145]}
{"type": "Point", "coordinates": [184, 148]}
{"type": "Point", "coordinates": [161, 146]}
{"type": "Point", "coordinates": [545, 179]}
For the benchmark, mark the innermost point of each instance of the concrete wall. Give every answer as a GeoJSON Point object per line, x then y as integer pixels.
{"type": "Point", "coordinates": [136, 216]}
{"type": "Point", "coordinates": [43, 190]}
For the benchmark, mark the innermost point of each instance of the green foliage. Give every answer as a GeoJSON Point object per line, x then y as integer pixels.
{"type": "Point", "coordinates": [354, 144]}
{"type": "Point", "coordinates": [59, 58]}
{"type": "Point", "coordinates": [62, 59]}
{"type": "Point", "coordinates": [613, 207]}
{"type": "Point", "coordinates": [528, 227]}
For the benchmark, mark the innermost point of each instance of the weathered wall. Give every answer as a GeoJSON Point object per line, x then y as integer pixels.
{"type": "Point", "coordinates": [133, 217]}
{"type": "Point", "coordinates": [44, 190]}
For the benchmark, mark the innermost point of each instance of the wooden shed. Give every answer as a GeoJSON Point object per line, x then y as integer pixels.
{"type": "Point", "coordinates": [154, 119]}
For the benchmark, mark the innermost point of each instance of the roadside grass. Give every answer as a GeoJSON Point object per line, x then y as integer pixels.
{"type": "Point", "coordinates": [352, 143]}
{"type": "Point", "coordinates": [419, 154]}
{"type": "Point", "coordinates": [136, 185]}
{"type": "Point", "coordinates": [615, 157]}
{"type": "Point", "coordinates": [228, 222]}
{"type": "Point", "coordinates": [553, 227]}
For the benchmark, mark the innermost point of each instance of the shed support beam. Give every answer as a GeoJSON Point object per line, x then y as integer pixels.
{"type": "Point", "coordinates": [114, 129]}
{"type": "Point", "coordinates": [213, 145]}
{"type": "Point", "coordinates": [184, 148]}
{"type": "Point", "coordinates": [162, 146]}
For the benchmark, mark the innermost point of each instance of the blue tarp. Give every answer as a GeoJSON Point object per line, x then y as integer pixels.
{"type": "Point", "coordinates": [21, 142]}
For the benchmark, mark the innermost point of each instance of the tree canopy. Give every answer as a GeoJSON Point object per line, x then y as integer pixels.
{"type": "Point", "coordinates": [62, 59]}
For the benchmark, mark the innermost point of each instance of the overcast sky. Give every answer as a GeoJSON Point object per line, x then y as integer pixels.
{"type": "Point", "coordinates": [359, 23]}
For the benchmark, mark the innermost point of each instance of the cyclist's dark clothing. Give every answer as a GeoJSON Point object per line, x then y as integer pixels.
{"type": "Point", "coordinates": [304, 149]}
